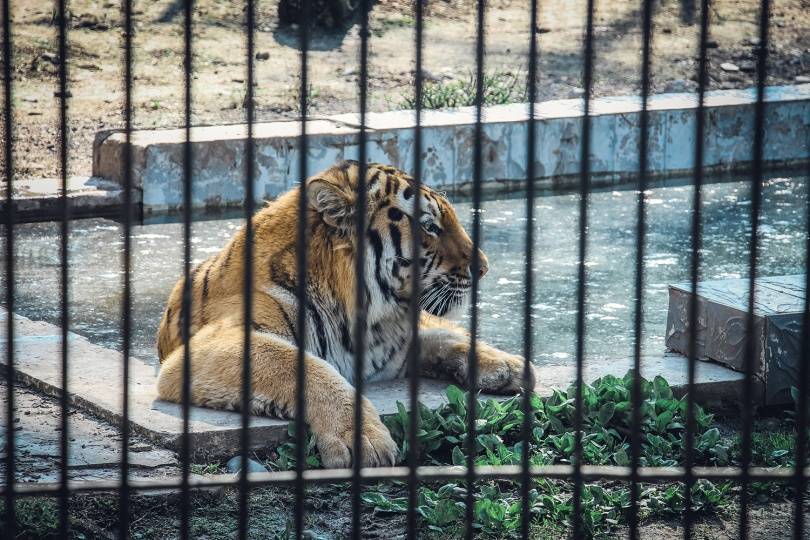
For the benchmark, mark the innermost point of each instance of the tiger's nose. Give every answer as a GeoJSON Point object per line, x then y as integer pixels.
{"type": "Point", "coordinates": [483, 264]}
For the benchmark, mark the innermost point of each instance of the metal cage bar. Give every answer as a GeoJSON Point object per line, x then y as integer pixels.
{"type": "Point", "coordinates": [64, 284]}
{"type": "Point", "coordinates": [126, 299]}
{"type": "Point", "coordinates": [8, 154]}
{"type": "Point", "coordinates": [424, 473]}
{"type": "Point", "coordinates": [638, 316]}
{"type": "Point", "coordinates": [756, 202]}
{"type": "Point", "coordinates": [414, 351]}
{"type": "Point", "coordinates": [694, 262]}
{"type": "Point", "coordinates": [301, 288]}
{"type": "Point", "coordinates": [531, 141]}
{"type": "Point", "coordinates": [584, 193]}
{"type": "Point", "coordinates": [360, 321]}
{"type": "Point", "coordinates": [247, 299]}
{"type": "Point", "coordinates": [186, 309]}
{"type": "Point", "coordinates": [475, 268]}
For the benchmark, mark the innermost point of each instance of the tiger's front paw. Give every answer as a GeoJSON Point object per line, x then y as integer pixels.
{"type": "Point", "coordinates": [337, 439]}
{"type": "Point", "coordinates": [500, 372]}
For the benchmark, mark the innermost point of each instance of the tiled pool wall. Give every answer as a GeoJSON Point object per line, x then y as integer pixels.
{"type": "Point", "coordinates": [218, 166]}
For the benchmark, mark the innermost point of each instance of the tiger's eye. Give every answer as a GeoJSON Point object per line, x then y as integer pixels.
{"type": "Point", "coordinates": [432, 228]}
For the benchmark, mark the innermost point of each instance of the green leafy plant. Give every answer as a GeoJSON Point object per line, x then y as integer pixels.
{"type": "Point", "coordinates": [498, 88]}
{"type": "Point", "coordinates": [607, 425]}
{"type": "Point", "coordinates": [284, 457]}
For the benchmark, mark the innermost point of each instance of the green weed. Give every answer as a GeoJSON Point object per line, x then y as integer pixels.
{"type": "Point", "coordinates": [498, 88]}
{"type": "Point", "coordinates": [607, 423]}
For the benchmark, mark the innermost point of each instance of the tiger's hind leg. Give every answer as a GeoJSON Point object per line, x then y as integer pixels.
{"type": "Point", "coordinates": [216, 381]}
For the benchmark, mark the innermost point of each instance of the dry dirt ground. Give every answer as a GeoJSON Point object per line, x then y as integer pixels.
{"type": "Point", "coordinates": [95, 58]}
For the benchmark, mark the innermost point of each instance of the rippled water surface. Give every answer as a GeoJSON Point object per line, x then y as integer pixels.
{"type": "Point", "coordinates": [95, 276]}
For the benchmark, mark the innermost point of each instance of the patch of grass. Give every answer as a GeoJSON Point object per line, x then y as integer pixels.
{"type": "Point", "coordinates": [36, 517]}
{"type": "Point", "coordinates": [206, 468]}
{"type": "Point", "coordinates": [499, 88]}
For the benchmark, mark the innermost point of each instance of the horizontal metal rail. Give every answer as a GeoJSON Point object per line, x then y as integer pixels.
{"type": "Point", "coordinates": [423, 474]}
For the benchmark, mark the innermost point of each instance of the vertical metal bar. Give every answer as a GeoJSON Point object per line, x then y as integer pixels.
{"type": "Point", "coordinates": [416, 286]}
{"type": "Point", "coordinates": [185, 446]}
{"type": "Point", "coordinates": [697, 202]}
{"type": "Point", "coordinates": [8, 147]}
{"type": "Point", "coordinates": [528, 416]}
{"type": "Point", "coordinates": [247, 298]}
{"type": "Point", "coordinates": [584, 189]}
{"type": "Point", "coordinates": [126, 319]}
{"type": "Point", "coordinates": [756, 196]}
{"type": "Point", "coordinates": [301, 289]}
{"type": "Point", "coordinates": [635, 440]}
{"type": "Point", "coordinates": [799, 480]}
{"type": "Point", "coordinates": [475, 269]}
{"type": "Point", "coordinates": [65, 313]}
{"type": "Point", "coordinates": [360, 280]}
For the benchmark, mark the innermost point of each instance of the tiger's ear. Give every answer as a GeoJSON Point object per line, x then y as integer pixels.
{"type": "Point", "coordinates": [332, 202]}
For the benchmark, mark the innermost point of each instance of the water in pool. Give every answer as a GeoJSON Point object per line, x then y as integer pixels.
{"type": "Point", "coordinates": [96, 245]}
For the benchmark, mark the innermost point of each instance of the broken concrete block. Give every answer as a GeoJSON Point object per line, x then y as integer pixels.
{"type": "Point", "coordinates": [722, 318]}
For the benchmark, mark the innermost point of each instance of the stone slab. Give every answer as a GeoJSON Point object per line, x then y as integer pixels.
{"type": "Point", "coordinates": [95, 385]}
{"type": "Point", "coordinates": [219, 171]}
{"type": "Point", "coordinates": [40, 199]}
{"type": "Point", "coordinates": [94, 450]}
{"type": "Point", "coordinates": [722, 322]}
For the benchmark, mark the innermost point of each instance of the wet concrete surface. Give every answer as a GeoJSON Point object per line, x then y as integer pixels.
{"type": "Point", "coordinates": [96, 244]}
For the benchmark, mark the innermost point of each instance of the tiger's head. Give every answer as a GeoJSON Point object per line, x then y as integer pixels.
{"type": "Point", "coordinates": [446, 250]}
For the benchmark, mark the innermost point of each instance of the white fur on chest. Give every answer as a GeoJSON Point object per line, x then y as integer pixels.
{"type": "Point", "coordinates": [387, 336]}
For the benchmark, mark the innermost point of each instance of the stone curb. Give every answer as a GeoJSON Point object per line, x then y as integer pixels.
{"type": "Point", "coordinates": [40, 199]}
{"type": "Point", "coordinates": [219, 168]}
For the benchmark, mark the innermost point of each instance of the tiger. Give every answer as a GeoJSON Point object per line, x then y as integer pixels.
{"type": "Point", "coordinates": [216, 324]}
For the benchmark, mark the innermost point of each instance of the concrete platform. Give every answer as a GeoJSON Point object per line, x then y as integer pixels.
{"type": "Point", "coordinates": [95, 385]}
{"type": "Point", "coordinates": [41, 199]}
{"type": "Point", "coordinates": [722, 322]}
{"type": "Point", "coordinates": [219, 151]}
{"type": "Point", "coordinates": [95, 446]}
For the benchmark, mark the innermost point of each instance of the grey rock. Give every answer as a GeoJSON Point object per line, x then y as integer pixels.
{"type": "Point", "coordinates": [729, 67]}
{"type": "Point", "coordinates": [748, 66]}
{"type": "Point", "coordinates": [430, 76]}
{"type": "Point", "coordinates": [576, 93]}
{"type": "Point", "coordinates": [234, 465]}
{"type": "Point", "coordinates": [679, 85]}
{"type": "Point", "coordinates": [802, 79]}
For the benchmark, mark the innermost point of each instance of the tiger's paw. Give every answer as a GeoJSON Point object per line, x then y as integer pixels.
{"type": "Point", "coordinates": [378, 449]}
{"type": "Point", "coordinates": [500, 372]}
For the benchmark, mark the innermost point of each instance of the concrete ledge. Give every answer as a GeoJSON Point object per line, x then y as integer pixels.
{"type": "Point", "coordinates": [219, 169]}
{"type": "Point", "coordinates": [41, 199]}
{"type": "Point", "coordinates": [95, 385]}
{"type": "Point", "coordinates": [722, 307]}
